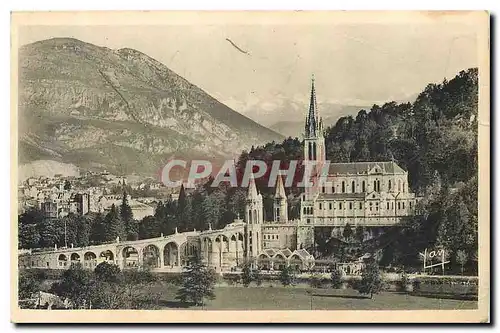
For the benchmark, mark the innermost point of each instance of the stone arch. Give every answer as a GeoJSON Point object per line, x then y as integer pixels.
{"type": "Point", "coordinates": [62, 260]}
{"type": "Point", "coordinates": [171, 254]}
{"type": "Point", "coordinates": [130, 257]}
{"type": "Point", "coordinates": [224, 243]}
{"type": "Point", "coordinates": [189, 249]}
{"type": "Point", "coordinates": [89, 256]}
{"type": "Point", "coordinates": [75, 257]}
{"type": "Point", "coordinates": [151, 256]}
{"type": "Point", "coordinates": [107, 255]}
{"type": "Point", "coordinates": [207, 249]}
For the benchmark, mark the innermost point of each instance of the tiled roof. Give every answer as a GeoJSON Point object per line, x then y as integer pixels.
{"type": "Point", "coordinates": [364, 167]}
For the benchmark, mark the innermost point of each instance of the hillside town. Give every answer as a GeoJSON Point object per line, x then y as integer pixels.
{"type": "Point", "coordinates": [95, 192]}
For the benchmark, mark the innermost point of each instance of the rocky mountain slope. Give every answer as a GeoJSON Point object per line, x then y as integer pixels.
{"type": "Point", "coordinates": [119, 110]}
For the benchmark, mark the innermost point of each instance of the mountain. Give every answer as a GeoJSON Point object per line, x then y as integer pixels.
{"type": "Point", "coordinates": [119, 110]}
{"type": "Point", "coordinates": [286, 114]}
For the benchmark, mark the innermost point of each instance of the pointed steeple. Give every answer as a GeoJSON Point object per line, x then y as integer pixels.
{"type": "Point", "coordinates": [252, 189]}
{"type": "Point", "coordinates": [313, 122]}
{"type": "Point", "coordinates": [280, 189]}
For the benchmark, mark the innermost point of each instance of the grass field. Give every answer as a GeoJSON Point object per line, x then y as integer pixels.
{"type": "Point", "coordinates": [297, 298]}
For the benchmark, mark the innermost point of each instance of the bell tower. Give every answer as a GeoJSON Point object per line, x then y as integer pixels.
{"type": "Point", "coordinates": [253, 218]}
{"type": "Point", "coordinates": [314, 141]}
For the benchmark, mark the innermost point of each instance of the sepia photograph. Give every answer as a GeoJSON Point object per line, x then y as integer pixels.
{"type": "Point", "coordinates": [241, 166]}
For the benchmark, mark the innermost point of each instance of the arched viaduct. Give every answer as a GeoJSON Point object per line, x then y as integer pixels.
{"type": "Point", "coordinates": [220, 249]}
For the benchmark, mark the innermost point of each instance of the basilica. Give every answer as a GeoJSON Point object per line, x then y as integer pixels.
{"type": "Point", "coordinates": [374, 195]}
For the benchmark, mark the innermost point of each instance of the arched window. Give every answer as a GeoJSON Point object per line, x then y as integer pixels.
{"type": "Point", "coordinates": [305, 210]}
{"type": "Point", "coordinates": [399, 185]}
{"type": "Point", "coordinates": [340, 205]}
{"type": "Point", "coordinates": [249, 216]}
{"type": "Point", "coordinates": [399, 205]}
{"type": "Point", "coordinates": [333, 188]}
{"type": "Point", "coordinates": [378, 185]}
{"type": "Point", "coordinates": [343, 186]}
{"type": "Point", "coordinates": [363, 186]}
{"type": "Point", "coordinates": [390, 184]}
{"type": "Point", "coordinates": [353, 187]}
{"type": "Point", "coordinates": [320, 206]}
{"type": "Point", "coordinates": [314, 150]}
{"type": "Point", "coordinates": [310, 151]}
{"type": "Point", "coordinates": [323, 189]}
{"type": "Point", "coordinates": [375, 185]}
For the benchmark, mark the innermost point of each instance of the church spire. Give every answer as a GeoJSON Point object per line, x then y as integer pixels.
{"type": "Point", "coordinates": [313, 122]}
{"type": "Point", "coordinates": [280, 189]}
{"type": "Point", "coordinates": [252, 189]}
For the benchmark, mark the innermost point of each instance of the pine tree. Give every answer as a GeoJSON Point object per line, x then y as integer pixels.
{"type": "Point", "coordinates": [127, 219]}
{"type": "Point", "coordinates": [197, 283]}
{"type": "Point", "coordinates": [371, 281]}
{"type": "Point", "coordinates": [82, 232]}
{"type": "Point", "coordinates": [181, 207]}
{"type": "Point", "coordinates": [113, 225]}
{"type": "Point", "coordinates": [98, 230]}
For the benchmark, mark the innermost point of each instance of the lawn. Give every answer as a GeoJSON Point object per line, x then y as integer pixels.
{"type": "Point", "coordinates": [299, 298]}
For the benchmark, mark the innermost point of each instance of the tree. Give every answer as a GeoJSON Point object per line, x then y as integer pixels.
{"type": "Point", "coordinates": [98, 230]}
{"type": "Point", "coordinates": [27, 285]}
{"type": "Point", "coordinates": [29, 236]}
{"type": "Point", "coordinates": [287, 276]}
{"type": "Point", "coordinates": [360, 233]}
{"type": "Point", "coordinates": [114, 225]}
{"type": "Point", "coordinates": [197, 282]}
{"type": "Point", "coordinates": [82, 232]}
{"type": "Point", "coordinates": [246, 276]}
{"type": "Point", "coordinates": [347, 233]}
{"type": "Point", "coordinates": [107, 272]}
{"type": "Point", "coordinates": [371, 281]}
{"type": "Point", "coordinates": [76, 284]}
{"type": "Point", "coordinates": [336, 279]}
{"type": "Point", "coordinates": [462, 258]}
{"type": "Point", "coordinates": [127, 219]}
{"type": "Point", "coordinates": [49, 235]}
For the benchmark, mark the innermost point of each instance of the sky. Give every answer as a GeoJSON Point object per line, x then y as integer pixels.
{"type": "Point", "coordinates": [357, 64]}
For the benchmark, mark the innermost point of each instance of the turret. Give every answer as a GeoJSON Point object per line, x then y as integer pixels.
{"type": "Point", "coordinates": [280, 206]}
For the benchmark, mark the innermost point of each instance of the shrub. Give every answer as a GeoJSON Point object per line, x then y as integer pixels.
{"type": "Point", "coordinates": [336, 279]}
{"type": "Point", "coordinates": [315, 281]}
